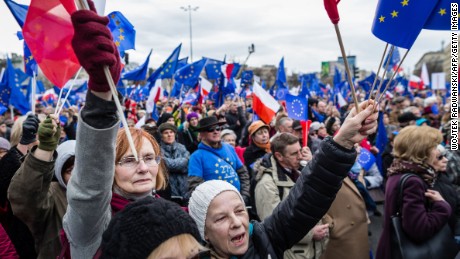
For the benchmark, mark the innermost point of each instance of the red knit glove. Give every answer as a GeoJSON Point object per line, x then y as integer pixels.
{"type": "Point", "coordinates": [93, 44]}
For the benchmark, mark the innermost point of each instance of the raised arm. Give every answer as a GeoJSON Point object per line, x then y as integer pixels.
{"type": "Point", "coordinates": [312, 195]}
{"type": "Point", "coordinates": [89, 189]}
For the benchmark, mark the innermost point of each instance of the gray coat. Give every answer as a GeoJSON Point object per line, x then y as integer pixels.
{"type": "Point", "coordinates": [176, 157]}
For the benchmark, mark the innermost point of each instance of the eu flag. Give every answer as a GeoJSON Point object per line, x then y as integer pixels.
{"type": "Point", "coordinates": [190, 74]}
{"type": "Point", "coordinates": [246, 77]}
{"type": "Point", "coordinates": [30, 65]}
{"type": "Point", "coordinates": [16, 99]}
{"type": "Point", "coordinates": [297, 107]}
{"type": "Point", "coordinates": [169, 67]}
{"type": "Point", "coordinates": [281, 75]}
{"type": "Point", "coordinates": [394, 60]}
{"type": "Point", "coordinates": [182, 63]}
{"type": "Point", "coordinates": [123, 32]}
{"type": "Point", "coordinates": [19, 11]}
{"type": "Point", "coordinates": [212, 68]}
{"type": "Point", "coordinates": [440, 17]}
{"type": "Point", "coordinates": [139, 73]}
{"type": "Point", "coordinates": [400, 22]}
{"type": "Point", "coordinates": [366, 159]}
{"type": "Point", "coordinates": [381, 141]}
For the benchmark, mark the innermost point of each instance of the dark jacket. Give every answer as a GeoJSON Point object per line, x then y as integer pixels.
{"type": "Point", "coordinates": [448, 192]}
{"type": "Point", "coordinates": [176, 159]}
{"type": "Point", "coordinates": [307, 202]}
{"type": "Point", "coordinates": [251, 154]}
{"type": "Point", "coordinates": [18, 232]}
{"type": "Point", "coordinates": [418, 222]}
{"type": "Point", "coordinates": [39, 203]}
{"type": "Point", "coordinates": [236, 122]}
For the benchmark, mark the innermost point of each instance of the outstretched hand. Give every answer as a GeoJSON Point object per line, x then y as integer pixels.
{"type": "Point", "coordinates": [49, 133]}
{"type": "Point", "coordinates": [358, 126]}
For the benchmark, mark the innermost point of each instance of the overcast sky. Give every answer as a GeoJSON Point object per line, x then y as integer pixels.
{"type": "Point", "coordinates": [298, 30]}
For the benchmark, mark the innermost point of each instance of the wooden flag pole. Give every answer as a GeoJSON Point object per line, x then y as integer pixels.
{"type": "Point", "coordinates": [83, 4]}
{"type": "Point", "coordinates": [34, 90]}
{"type": "Point", "coordinates": [393, 76]}
{"type": "Point", "coordinates": [378, 72]}
{"type": "Point", "coordinates": [390, 55]}
{"type": "Point", "coordinates": [347, 68]}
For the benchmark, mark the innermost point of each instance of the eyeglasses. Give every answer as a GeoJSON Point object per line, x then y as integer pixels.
{"type": "Point", "coordinates": [130, 161]}
{"type": "Point", "coordinates": [440, 157]}
{"type": "Point", "coordinates": [217, 128]}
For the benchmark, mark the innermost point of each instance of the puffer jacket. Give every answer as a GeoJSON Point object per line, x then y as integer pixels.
{"type": "Point", "coordinates": [271, 179]}
{"type": "Point", "coordinates": [176, 158]}
{"type": "Point", "coordinates": [307, 202]}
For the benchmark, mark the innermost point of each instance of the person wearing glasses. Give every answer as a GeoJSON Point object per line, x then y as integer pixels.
{"type": "Point", "coordinates": [424, 209]}
{"type": "Point", "coordinates": [215, 160]}
{"type": "Point", "coordinates": [107, 176]}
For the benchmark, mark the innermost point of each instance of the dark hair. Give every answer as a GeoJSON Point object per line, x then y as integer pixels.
{"type": "Point", "coordinates": [68, 163]}
{"type": "Point", "coordinates": [329, 122]}
{"type": "Point", "coordinates": [279, 142]}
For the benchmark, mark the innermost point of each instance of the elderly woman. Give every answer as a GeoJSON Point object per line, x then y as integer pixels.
{"type": "Point", "coordinates": [107, 176]}
{"type": "Point", "coordinates": [260, 145]}
{"type": "Point", "coordinates": [229, 136]}
{"type": "Point", "coordinates": [223, 222]}
{"type": "Point", "coordinates": [424, 211]}
{"type": "Point", "coordinates": [175, 157]}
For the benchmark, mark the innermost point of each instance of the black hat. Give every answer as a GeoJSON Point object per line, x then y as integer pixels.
{"type": "Point", "coordinates": [207, 123]}
{"type": "Point", "coordinates": [407, 117]}
{"type": "Point", "coordinates": [167, 126]}
{"type": "Point", "coordinates": [296, 125]}
{"type": "Point", "coordinates": [142, 226]}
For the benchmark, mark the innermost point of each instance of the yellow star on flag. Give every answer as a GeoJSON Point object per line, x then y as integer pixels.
{"type": "Point", "coordinates": [117, 43]}
{"type": "Point", "coordinates": [121, 30]}
{"type": "Point", "coordinates": [405, 2]}
{"type": "Point", "coordinates": [394, 14]}
{"type": "Point", "coordinates": [382, 18]}
{"type": "Point", "coordinates": [121, 37]}
{"type": "Point", "coordinates": [442, 11]}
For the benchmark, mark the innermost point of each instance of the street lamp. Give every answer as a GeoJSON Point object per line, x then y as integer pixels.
{"type": "Point", "coordinates": [251, 49]}
{"type": "Point", "coordinates": [189, 9]}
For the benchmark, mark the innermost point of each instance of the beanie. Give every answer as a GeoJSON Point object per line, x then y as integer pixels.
{"type": "Point", "coordinates": [166, 126]}
{"type": "Point", "coordinates": [202, 196]}
{"type": "Point", "coordinates": [142, 226]}
{"type": "Point", "coordinates": [192, 115]}
{"type": "Point", "coordinates": [4, 144]}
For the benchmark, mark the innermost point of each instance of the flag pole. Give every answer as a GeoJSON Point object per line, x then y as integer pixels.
{"type": "Point", "coordinates": [347, 68]}
{"type": "Point", "coordinates": [378, 71]}
{"type": "Point", "coordinates": [34, 89]}
{"type": "Point", "coordinates": [58, 110]}
{"type": "Point", "coordinates": [393, 76]}
{"type": "Point", "coordinates": [83, 4]}
{"type": "Point", "coordinates": [390, 55]}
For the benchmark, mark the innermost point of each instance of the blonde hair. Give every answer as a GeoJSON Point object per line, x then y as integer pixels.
{"type": "Point", "coordinates": [186, 245]}
{"type": "Point", "coordinates": [122, 146]}
{"type": "Point", "coordinates": [414, 143]}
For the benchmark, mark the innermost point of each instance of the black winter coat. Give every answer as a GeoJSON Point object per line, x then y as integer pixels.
{"type": "Point", "coordinates": [306, 204]}
{"type": "Point", "coordinates": [251, 154]}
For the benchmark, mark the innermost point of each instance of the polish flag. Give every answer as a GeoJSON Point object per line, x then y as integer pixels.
{"type": "Point", "coordinates": [264, 105]}
{"type": "Point", "coordinates": [415, 82]}
{"type": "Point", "coordinates": [155, 94]}
{"type": "Point", "coordinates": [227, 70]}
{"type": "Point", "coordinates": [206, 87]}
{"type": "Point", "coordinates": [425, 76]}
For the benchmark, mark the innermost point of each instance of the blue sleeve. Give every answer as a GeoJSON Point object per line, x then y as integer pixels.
{"type": "Point", "coordinates": [195, 168]}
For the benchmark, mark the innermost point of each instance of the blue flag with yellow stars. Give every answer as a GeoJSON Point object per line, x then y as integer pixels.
{"type": "Point", "coordinates": [169, 67]}
{"type": "Point", "coordinates": [123, 32]}
{"type": "Point", "coordinates": [212, 68]}
{"type": "Point", "coordinates": [297, 107]}
{"type": "Point", "coordinates": [30, 65]}
{"type": "Point", "coordinates": [190, 74]}
{"type": "Point", "coordinates": [440, 17]}
{"type": "Point", "coordinates": [139, 73]}
{"type": "Point", "coordinates": [281, 75]}
{"type": "Point", "coordinates": [19, 11]}
{"type": "Point", "coordinates": [400, 22]}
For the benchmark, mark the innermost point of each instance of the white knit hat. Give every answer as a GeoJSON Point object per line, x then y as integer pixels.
{"type": "Point", "coordinates": [202, 196]}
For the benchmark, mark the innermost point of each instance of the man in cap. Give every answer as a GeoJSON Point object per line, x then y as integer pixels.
{"type": "Point", "coordinates": [214, 160]}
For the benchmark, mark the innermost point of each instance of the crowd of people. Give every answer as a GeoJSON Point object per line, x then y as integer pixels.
{"type": "Point", "coordinates": [216, 182]}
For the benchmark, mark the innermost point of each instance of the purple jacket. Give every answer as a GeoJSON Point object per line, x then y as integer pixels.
{"type": "Point", "coordinates": [418, 223]}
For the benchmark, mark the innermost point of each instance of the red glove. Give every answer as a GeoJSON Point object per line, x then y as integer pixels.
{"type": "Point", "coordinates": [93, 44]}
{"type": "Point", "coordinates": [331, 9]}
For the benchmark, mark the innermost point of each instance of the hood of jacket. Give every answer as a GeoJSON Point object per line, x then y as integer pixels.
{"type": "Point", "coordinates": [264, 165]}
{"type": "Point", "coordinates": [65, 150]}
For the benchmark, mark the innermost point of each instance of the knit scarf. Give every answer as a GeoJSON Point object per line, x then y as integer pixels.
{"type": "Point", "coordinates": [265, 147]}
{"type": "Point", "coordinates": [427, 173]}
{"type": "Point", "coordinates": [193, 130]}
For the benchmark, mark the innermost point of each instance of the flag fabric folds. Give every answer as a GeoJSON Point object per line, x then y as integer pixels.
{"type": "Point", "coordinates": [394, 60]}
{"type": "Point", "coordinates": [281, 75]}
{"type": "Point", "coordinates": [139, 73]}
{"type": "Point", "coordinates": [190, 74]}
{"type": "Point", "coordinates": [19, 11]}
{"type": "Point", "coordinates": [264, 105]}
{"type": "Point", "coordinates": [440, 17]}
{"type": "Point", "coordinates": [169, 67]}
{"type": "Point", "coordinates": [123, 32]}
{"type": "Point", "coordinates": [400, 22]}
{"type": "Point", "coordinates": [213, 68]}
{"type": "Point", "coordinates": [50, 20]}
{"type": "Point", "coordinates": [297, 107]}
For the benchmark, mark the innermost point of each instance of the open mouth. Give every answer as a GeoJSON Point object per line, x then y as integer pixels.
{"type": "Point", "coordinates": [238, 240]}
